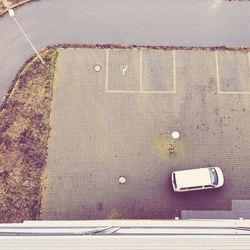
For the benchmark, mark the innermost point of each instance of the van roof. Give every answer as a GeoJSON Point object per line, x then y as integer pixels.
{"type": "Point", "coordinates": [192, 178]}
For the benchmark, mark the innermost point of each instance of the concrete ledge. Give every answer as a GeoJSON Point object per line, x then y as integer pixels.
{"type": "Point", "coordinates": [239, 205]}
{"type": "Point", "coordinates": [190, 214]}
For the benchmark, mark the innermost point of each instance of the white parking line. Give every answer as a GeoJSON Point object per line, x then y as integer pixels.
{"type": "Point", "coordinates": [174, 72]}
{"type": "Point", "coordinates": [217, 72]}
{"type": "Point", "coordinates": [249, 61]}
{"type": "Point", "coordinates": [107, 70]}
{"type": "Point", "coordinates": [140, 54]}
{"type": "Point", "coordinates": [158, 92]}
{"type": "Point", "coordinates": [140, 91]}
{"type": "Point", "coordinates": [234, 92]}
{"type": "Point", "coordinates": [122, 91]}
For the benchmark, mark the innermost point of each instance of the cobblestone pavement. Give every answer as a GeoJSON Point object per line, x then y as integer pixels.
{"type": "Point", "coordinates": [117, 122]}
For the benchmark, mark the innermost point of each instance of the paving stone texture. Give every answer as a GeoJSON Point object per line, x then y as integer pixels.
{"type": "Point", "coordinates": [118, 122]}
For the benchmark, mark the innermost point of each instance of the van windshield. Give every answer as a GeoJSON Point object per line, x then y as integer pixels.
{"type": "Point", "coordinates": [213, 176]}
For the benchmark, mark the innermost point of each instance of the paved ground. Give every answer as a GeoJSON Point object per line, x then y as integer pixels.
{"type": "Point", "coordinates": [141, 22]}
{"type": "Point", "coordinates": [117, 122]}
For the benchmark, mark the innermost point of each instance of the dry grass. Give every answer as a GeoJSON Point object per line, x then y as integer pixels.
{"type": "Point", "coordinates": [13, 2]}
{"type": "Point", "coordinates": [5, 4]}
{"type": "Point", "coordinates": [16, 2]}
{"type": "Point", "coordinates": [2, 7]}
{"type": "Point", "coordinates": [24, 131]}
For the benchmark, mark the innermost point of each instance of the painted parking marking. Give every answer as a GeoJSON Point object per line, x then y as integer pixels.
{"type": "Point", "coordinates": [125, 67]}
{"type": "Point", "coordinates": [123, 71]}
{"type": "Point", "coordinates": [141, 84]}
{"type": "Point", "coordinates": [107, 70]}
{"type": "Point", "coordinates": [217, 72]}
{"type": "Point", "coordinates": [141, 91]}
{"type": "Point", "coordinates": [218, 77]}
{"type": "Point", "coordinates": [174, 72]}
{"type": "Point", "coordinates": [249, 61]}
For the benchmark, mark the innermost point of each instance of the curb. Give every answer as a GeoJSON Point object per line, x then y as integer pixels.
{"type": "Point", "coordinates": [161, 47]}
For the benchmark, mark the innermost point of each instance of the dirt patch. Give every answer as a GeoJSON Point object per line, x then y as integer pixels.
{"type": "Point", "coordinates": [24, 131]}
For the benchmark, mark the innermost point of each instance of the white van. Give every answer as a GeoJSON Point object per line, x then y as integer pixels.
{"type": "Point", "coordinates": [197, 179]}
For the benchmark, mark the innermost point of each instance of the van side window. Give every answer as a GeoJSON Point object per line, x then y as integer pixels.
{"type": "Point", "coordinates": [208, 186]}
{"type": "Point", "coordinates": [174, 180]}
{"type": "Point", "coordinates": [196, 187]}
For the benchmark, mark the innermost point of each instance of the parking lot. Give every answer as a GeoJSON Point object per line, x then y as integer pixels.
{"type": "Point", "coordinates": [113, 114]}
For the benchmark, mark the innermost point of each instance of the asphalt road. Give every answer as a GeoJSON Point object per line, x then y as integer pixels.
{"type": "Point", "coordinates": [141, 22]}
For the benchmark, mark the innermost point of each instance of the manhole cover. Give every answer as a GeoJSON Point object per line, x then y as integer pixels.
{"type": "Point", "coordinates": [97, 68]}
